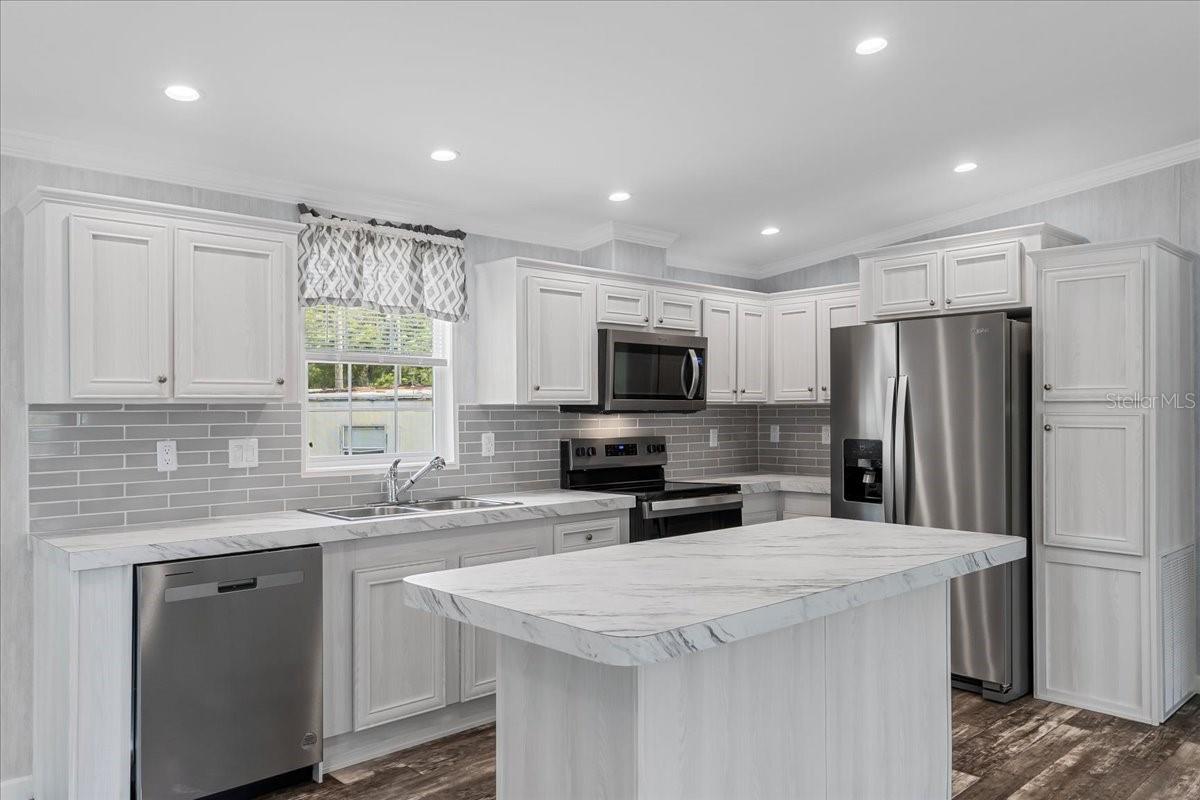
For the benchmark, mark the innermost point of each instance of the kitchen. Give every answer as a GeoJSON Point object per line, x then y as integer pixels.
{"type": "Point", "coordinates": [299, 390]}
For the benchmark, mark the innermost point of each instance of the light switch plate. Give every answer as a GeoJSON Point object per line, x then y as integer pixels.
{"type": "Point", "coordinates": [168, 458]}
{"type": "Point", "coordinates": [774, 433]}
{"type": "Point", "coordinates": [243, 453]}
{"type": "Point", "coordinates": [489, 444]}
{"type": "Point", "coordinates": [712, 437]}
{"type": "Point", "coordinates": [824, 434]}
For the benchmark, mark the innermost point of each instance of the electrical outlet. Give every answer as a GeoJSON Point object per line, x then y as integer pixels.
{"type": "Point", "coordinates": [824, 434]}
{"type": "Point", "coordinates": [243, 453]}
{"type": "Point", "coordinates": [168, 458]}
{"type": "Point", "coordinates": [774, 433]}
{"type": "Point", "coordinates": [712, 437]}
{"type": "Point", "coordinates": [489, 444]}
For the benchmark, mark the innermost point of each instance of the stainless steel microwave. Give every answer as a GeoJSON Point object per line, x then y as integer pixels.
{"type": "Point", "coordinates": [640, 371]}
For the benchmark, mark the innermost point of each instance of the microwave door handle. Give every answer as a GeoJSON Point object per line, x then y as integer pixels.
{"type": "Point", "coordinates": [889, 471]}
{"type": "Point", "coordinates": [901, 470]}
{"type": "Point", "coordinates": [683, 384]}
{"type": "Point", "coordinates": [691, 390]}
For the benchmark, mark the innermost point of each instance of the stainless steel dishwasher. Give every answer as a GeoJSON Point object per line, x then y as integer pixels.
{"type": "Point", "coordinates": [227, 682]}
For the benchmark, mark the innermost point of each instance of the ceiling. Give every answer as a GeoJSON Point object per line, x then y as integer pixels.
{"type": "Point", "coordinates": [719, 118]}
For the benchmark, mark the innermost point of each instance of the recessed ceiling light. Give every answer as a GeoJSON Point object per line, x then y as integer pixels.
{"type": "Point", "coordinates": [966, 166]}
{"type": "Point", "coordinates": [184, 94]}
{"type": "Point", "coordinates": [444, 155]}
{"type": "Point", "coordinates": [770, 230]}
{"type": "Point", "coordinates": [869, 47]}
{"type": "Point", "coordinates": [619, 197]}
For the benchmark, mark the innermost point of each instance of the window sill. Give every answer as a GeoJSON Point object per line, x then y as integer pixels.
{"type": "Point", "coordinates": [379, 469]}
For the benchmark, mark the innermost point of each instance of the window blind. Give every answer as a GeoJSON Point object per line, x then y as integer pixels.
{"type": "Point", "coordinates": [340, 333]}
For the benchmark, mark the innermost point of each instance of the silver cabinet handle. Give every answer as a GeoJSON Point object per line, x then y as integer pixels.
{"type": "Point", "coordinates": [279, 381]}
{"type": "Point", "coordinates": [1047, 427]}
{"type": "Point", "coordinates": [1047, 386]}
{"type": "Point", "coordinates": [932, 302]}
{"type": "Point", "coordinates": [162, 378]}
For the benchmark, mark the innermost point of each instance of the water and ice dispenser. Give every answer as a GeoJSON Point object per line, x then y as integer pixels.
{"type": "Point", "coordinates": [862, 478]}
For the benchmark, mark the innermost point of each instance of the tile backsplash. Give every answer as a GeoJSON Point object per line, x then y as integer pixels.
{"type": "Point", "coordinates": [93, 465]}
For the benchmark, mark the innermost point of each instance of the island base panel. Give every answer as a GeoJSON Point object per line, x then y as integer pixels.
{"type": "Point", "coordinates": [856, 704]}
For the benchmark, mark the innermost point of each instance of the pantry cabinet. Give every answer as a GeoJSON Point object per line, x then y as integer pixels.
{"type": "Point", "coordinates": [134, 300]}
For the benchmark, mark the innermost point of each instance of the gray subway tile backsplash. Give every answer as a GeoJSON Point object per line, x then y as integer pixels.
{"type": "Point", "coordinates": [104, 475]}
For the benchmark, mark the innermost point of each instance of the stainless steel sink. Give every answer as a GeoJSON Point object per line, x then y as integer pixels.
{"type": "Point", "coordinates": [377, 510]}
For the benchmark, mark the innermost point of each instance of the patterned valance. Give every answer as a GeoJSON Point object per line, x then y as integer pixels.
{"type": "Point", "coordinates": [402, 269]}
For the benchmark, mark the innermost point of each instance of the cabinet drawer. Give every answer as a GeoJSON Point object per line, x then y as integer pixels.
{"type": "Point", "coordinates": [802, 504]}
{"type": "Point", "coordinates": [586, 534]}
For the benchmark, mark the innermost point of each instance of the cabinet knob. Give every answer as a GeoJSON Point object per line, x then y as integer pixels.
{"type": "Point", "coordinates": [647, 319]}
{"type": "Point", "coordinates": [932, 302]}
{"type": "Point", "coordinates": [660, 319]}
{"type": "Point", "coordinates": [743, 391]}
{"type": "Point", "coordinates": [1047, 386]}
{"type": "Point", "coordinates": [809, 389]}
{"type": "Point", "coordinates": [537, 388]}
{"type": "Point", "coordinates": [948, 301]}
{"type": "Point", "coordinates": [162, 378]}
{"type": "Point", "coordinates": [588, 538]}
{"type": "Point", "coordinates": [1047, 427]}
{"type": "Point", "coordinates": [279, 381]}
{"type": "Point", "coordinates": [824, 388]}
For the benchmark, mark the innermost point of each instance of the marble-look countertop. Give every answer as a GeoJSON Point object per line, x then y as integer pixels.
{"type": "Point", "coordinates": [652, 601]}
{"type": "Point", "coordinates": [759, 482]}
{"type": "Point", "coordinates": [142, 544]}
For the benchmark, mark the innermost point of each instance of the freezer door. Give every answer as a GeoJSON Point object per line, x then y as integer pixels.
{"type": "Point", "coordinates": [862, 375]}
{"type": "Point", "coordinates": [953, 468]}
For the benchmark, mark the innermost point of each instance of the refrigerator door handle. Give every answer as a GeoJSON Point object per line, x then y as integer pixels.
{"type": "Point", "coordinates": [900, 467]}
{"type": "Point", "coordinates": [889, 471]}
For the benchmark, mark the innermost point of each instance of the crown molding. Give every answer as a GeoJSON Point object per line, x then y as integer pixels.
{"type": "Point", "coordinates": [626, 232]}
{"type": "Point", "coordinates": [22, 144]}
{"type": "Point", "coordinates": [684, 261]}
{"type": "Point", "coordinates": [1160, 159]}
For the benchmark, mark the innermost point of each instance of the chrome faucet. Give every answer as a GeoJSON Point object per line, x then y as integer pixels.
{"type": "Point", "coordinates": [395, 488]}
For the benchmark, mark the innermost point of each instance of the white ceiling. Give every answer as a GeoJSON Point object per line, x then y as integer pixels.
{"type": "Point", "coordinates": [720, 118]}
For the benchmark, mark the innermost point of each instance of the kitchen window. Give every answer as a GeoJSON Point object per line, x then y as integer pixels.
{"type": "Point", "coordinates": [379, 387]}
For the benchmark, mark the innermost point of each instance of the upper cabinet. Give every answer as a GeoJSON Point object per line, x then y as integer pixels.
{"type": "Point", "coordinates": [676, 311]}
{"type": "Point", "coordinates": [989, 270]}
{"type": "Point", "coordinates": [133, 300]}
{"type": "Point", "coordinates": [622, 304]}
{"type": "Point", "coordinates": [560, 340]}
{"type": "Point", "coordinates": [753, 351]}
{"type": "Point", "coordinates": [836, 311]}
{"type": "Point", "coordinates": [794, 357]}
{"type": "Point", "coordinates": [720, 328]}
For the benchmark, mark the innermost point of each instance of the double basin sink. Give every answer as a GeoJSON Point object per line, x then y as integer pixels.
{"type": "Point", "coordinates": [376, 510]}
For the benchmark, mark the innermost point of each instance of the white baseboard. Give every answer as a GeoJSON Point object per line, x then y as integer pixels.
{"type": "Point", "coordinates": [17, 788]}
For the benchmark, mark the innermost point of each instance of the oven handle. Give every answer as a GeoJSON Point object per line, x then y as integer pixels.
{"type": "Point", "coordinates": [652, 509]}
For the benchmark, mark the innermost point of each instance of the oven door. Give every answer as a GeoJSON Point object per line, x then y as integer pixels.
{"type": "Point", "coordinates": [658, 519]}
{"type": "Point", "coordinates": [651, 371]}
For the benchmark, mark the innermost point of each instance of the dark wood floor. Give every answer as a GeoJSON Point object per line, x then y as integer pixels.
{"type": "Point", "coordinates": [1028, 749]}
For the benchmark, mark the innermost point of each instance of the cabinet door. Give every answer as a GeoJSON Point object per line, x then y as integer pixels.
{"type": "Point", "coordinates": [230, 316]}
{"type": "Point", "coordinates": [676, 311]}
{"type": "Point", "coordinates": [120, 309]}
{"type": "Point", "coordinates": [905, 284]}
{"type": "Point", "coordinates": [560, 339]}
{"type": "Point", "coordinates": [399, 651]}
{"type": "Point", "coordinates": [832, 312]}
{"type": "Point", "coordinates": [753, 353]}
{"type": "Point", "coordinates": [479, 645]}
{"type": "Point", "coordinates": [794, 355]}
{"type": "Point", "coordinates": [1092, 331]}
{"type": "Point", "coordinates": [720, 328]}
{"type": "Point", "coordinates": [1093, 488]}
{"type": "Point", "coordinates": [622, 304]}
{"type": "Point", "coordinates": [983, 276]}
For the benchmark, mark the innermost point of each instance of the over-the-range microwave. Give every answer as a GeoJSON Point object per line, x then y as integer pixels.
{"type": "Point", "coordinates": [640, 371]}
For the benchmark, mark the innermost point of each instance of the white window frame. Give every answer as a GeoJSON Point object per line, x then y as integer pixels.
{"type": "Point", "coordinates": [445, 410]}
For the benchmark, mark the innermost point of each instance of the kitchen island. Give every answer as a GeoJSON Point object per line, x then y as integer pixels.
{"type": "Point", "coordinates": [801, 658]}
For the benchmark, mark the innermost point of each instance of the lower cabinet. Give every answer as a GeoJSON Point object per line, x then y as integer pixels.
{"type": "Point", "coordinates": [384, 661]}
{"type": "Point", "coordinates": [759, 507]}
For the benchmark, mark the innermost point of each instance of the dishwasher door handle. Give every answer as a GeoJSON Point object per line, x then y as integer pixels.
{"type": "Point", "coordinates": [197, 590]}
{"type": "Point", "coordinates": [237, 585]}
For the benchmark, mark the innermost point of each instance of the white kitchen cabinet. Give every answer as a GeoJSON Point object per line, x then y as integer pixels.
{"type": "Point", "coordinates": [399, 651]}
{"type": "Point", "coordinates": [1093, 466]}
{"type": "Point", "coordinates": [1092, 339]}
{"type": "Point", "coordinates": [720, 328]}
{"type": "Point", "coordinates": [119, 314]}
{"type": "Point", "coordinates": [587, 534]}
{"type": "Point", "coordinates": [135, 300]}
{"type": "Point", "coordinates": [560, 328]}
{"type": "Point", "coordinates": [230, 321]}
{"type": "Point", "coordinates": [794, 354]}
{"type": "Point", "coordinates": [622, 304]}
{"type": "Point", "coordinates": [981, 276]}
{"type": "Point", "coordinates": [479, 646]}
{"type": "Point", "coordinates": [676, 311]}
{"type": "Point", "coordinates": [753, 352]}
{"type": "Point", "coordinates": [970, 272]}
{"type": "Point", "coordinates": [832, 312]}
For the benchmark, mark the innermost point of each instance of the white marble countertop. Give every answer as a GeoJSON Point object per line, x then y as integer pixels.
{"type": "Point", "coordinates": [144, 544]}
{"type": "Point", "coordinates": [652, 601]}
{"type": "Point", "coordinates": [758, 482]}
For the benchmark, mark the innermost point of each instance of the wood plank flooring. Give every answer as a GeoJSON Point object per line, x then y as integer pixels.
{"type": "Point", "coordinates": [1025, 750]}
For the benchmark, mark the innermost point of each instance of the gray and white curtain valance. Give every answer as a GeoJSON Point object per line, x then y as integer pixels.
{"type": "Point", "coordinates": [401, 269]}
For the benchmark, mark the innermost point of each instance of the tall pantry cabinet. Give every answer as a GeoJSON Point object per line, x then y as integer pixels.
{"type": "Point", "coordinates": [1115, 523]}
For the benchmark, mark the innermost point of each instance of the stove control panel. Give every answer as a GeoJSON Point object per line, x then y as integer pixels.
{"type": "Point", "coordinates": [583, 454]}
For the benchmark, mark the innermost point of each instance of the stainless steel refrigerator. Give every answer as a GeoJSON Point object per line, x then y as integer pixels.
{"type": "Point", "coordinates": [930, 426]}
